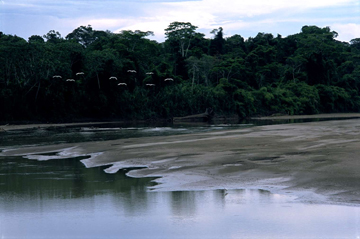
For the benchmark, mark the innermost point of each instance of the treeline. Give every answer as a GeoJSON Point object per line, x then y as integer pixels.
{"type": "Point", "coordinates": [100, 74]}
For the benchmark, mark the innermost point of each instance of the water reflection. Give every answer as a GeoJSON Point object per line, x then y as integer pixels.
{"type": "Point", "coordinates": [64, 178]}
{"type": "Point", "coordinates": [183, 203]}
{"type": "Point", "coordinates": [63, 199]}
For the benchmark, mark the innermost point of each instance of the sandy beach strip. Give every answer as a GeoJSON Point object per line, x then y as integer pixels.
{"type": "Point", "coordinates": [10, 126]}
{"type": "Point", "coordinates": [315, 116]}
{"type": "Point", "coordinates": [7, 127]}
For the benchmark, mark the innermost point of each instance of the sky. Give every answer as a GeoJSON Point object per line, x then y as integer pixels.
{"type": "Point", "coordinates": [247, 18]}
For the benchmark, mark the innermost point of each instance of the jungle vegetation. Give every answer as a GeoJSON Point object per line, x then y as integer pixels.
{"type": "Point", "coordinates": [105, 75]}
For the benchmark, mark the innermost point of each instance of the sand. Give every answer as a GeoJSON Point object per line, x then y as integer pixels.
{"type": "Point", "coordinates": [317, 162]}
{"type": "Point", "coordinates": [7, 127]}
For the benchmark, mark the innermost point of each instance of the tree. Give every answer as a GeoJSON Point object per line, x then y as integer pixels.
{"type": "Point", "coordinates": [217, 44]}
{"type": "Point", "coordinates": [355, 43]}
{"type": "Point", "coordinates": [295, 64]}
{"type": "Point", "coordinates": [182, 33]}
{"type": "Point", "coordinates": [83, 35]}
{"type": "Point", "coordinates": [308, 72]}
{"type": "Point", "coordinates": [53, 36]}
{"type": "Point", "coordinates": [36, 39]}
{"type": "Point", "coordinates": [135, 47]}
{"type": "Point", "coordinates": [235, 46]}
{"type": "Point", "coordinates": [133, 39]}
{"type": "Point", "coordinates": [320, 53]}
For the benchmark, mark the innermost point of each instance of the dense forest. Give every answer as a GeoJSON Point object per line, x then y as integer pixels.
{"type": "Point", "coordinates": [103, 75]}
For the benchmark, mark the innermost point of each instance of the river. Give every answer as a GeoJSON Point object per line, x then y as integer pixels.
{"type": "Point", "coordinates": [61, 198]}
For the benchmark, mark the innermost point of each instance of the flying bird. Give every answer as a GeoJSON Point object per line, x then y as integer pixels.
{"type": "Point", "coordinates": [57, 76]}
{"type": "Point", "coordinates": [112, 78]}
{"type": "Point", "coordinates": [80, 73]}
{"type": "Point", "coordinates": [122, 83]}
{"type": "Point", "coordinates": [132, 71]}
{"type": "Point", "coordinates": [70, 80]}
{"type": "Point", "coordinates": [169, 79]}
{"type": "Point", "coordinates": [150, 84]}
{"type": "Point", "coordinates": [149, 73]}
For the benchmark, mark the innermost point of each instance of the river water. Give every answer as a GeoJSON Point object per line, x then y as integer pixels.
{"type": "Point", "coordinates": [63, 199]}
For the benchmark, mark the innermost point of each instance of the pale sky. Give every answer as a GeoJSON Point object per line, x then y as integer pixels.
{"type": "Point", "coordinates": [246, 18]}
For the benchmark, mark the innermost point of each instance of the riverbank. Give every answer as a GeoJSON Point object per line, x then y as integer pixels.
{"type": "Point", "coordinates": [317, 162]}
{"type": "Point", "coordinates": [13, 126]}
{"type": "Point", "coordinates": [316, 116]}
{"type": "Point", "coordinates": [7, 127]}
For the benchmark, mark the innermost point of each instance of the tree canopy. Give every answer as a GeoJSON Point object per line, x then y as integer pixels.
{"type": "Point", "coordinates": [99, 74]}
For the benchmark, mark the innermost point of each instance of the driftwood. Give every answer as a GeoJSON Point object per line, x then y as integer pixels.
{"type": "Point", "coordinates": [204, 117]}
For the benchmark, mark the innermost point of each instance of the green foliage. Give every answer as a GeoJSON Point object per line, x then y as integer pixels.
{"type": "Point", "coordinates": [335, 99]}
{"type": "Point", "coordinates": [181, 33]}
{"type": "Point", "coordinates": [307, 97]}
{"type": "Point", "coordinates": [305, 73]}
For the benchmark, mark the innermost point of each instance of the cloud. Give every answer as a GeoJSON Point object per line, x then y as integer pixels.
{"type": "Point", "coordinates": [236, 17]}
{"type": "Point", "coordinates": [251, 16]}
{"type": "Point", "coordinates": [347, 31]}
{"type": "Point", "coordinates": [230, 8]}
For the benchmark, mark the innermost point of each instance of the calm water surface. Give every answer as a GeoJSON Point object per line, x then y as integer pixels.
{"type": "Point", "coordinates": [63, 199]}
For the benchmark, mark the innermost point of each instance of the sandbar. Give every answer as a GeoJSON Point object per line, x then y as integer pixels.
{"type": "Point", "coordinates": [317, 162]}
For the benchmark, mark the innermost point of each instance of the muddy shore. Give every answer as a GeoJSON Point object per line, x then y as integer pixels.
{"type": "Point", "coordinates": [318, 162]}
{"type": "Point", "coordinates": [10, 126]}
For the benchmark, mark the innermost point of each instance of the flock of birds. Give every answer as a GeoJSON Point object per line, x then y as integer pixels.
{"type": "Point", "coordinates": [114, 78]}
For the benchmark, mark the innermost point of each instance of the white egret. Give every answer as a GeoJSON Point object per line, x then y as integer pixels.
{"type": "Point", "coordinates": [112, 78]}
{"type": "Point", "coordinates": [122, 83]}
{"type": "Point", "coordinates": [150, 84]}
{"type": "Point", "coordinates": [70, 80]}
{"type": "Point", "coordinates": [80, 73]}
{"type": "Point", "coordinates": [149, 73]}
{"type": "Point", "coordinates": [57, 76]}
{"type": "Point", "coordinates": [132, 71]}
{"type": "Point", "coordinates": [169, 79]}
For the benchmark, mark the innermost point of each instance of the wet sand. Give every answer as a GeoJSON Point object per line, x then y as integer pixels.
{"type": "Point", "coordinates": [318, 162]}
{"type": "Point", "coordinates": [10, 126]}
